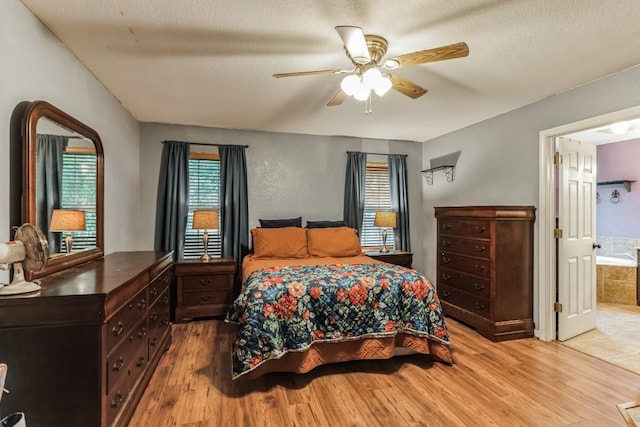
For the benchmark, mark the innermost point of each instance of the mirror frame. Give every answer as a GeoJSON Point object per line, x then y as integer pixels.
{"type": "Point", "coordinates": [37, 110]}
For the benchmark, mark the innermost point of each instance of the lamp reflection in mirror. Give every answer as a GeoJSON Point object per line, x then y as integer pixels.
{"type": "Point", "coordinates": [384, 219]}
{"type": "Point", "coordinates": [67, 220]}
{"type": "Point", "coordinates": [205, 220]}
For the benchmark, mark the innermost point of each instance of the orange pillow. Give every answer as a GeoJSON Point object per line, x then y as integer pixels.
{"type": "Point", "coordinates": [333, 242]}
{"type": "Point", "coordinates": [286, 242]}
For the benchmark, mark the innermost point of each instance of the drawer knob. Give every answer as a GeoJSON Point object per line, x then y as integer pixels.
{"type": "Point", "coordinates": [446, 243]}
{"type": "Point", "coordinates": [141, 362]}
{"type": "Point", "coordinates": [154, 291]}
{"type": "Point", "coordinates": [165, 278]}
{"type": "Point", "coordinates": [117, 330]}
{"type": "Point", "coordinates": [479, 306]}
{"type": "Point", "coordinates": [142, 304]}
{"type": "Point", "coordinates": [142, 332]}
{"type": "Point", "coordinates": [480, 248]}
{"type": "Point", "coordinates": [446, 293]}
{"type": "Point", "coordinates": [204, 282]}
{"type": "Point", "coordinates": [165, 300]}
{"type": "Point", "coordinates": [119, 364]}
{"type": "Point", "coordinates": [480, 229]}
{"type": "Point", "coordinates": [153, 317]}
{"type": "Point", "coordinates": [153, 341]}
{"type": "Point", "coordinates": [478, 286]}
{"type": "Point", "coordinates": [117, 401]}
{"type": "Point", "coordinates": [205, 297]}
{"type": "Point", "coordinates": [446, 276]}
{"type": "Point", "coordinates": [479, 267]}
{"type": "Point", "coordinates": [164, 322]}
{"type": "Point", "coordinates": [446, 260]}
{"type": "Point", "coordinates": [447, 226]}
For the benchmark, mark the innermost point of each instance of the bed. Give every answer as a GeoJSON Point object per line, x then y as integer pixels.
{"type": "Point", "coordinates": [310, 297]}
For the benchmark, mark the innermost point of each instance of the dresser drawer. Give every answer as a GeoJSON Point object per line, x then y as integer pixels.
{"type": "Point", "coordinates": [461, 245]}
{"type": "Point", "coordinates": [158, 322]}
{"type": "Point", "coordinates": [208, 282]}
{"type": "Point", "coordinates": [120, 394]}
{"type": "Point", "coordinates": [472, 284]}
{"type": "Point", "coordinates": [475, 266]}
{"type": "Point", "coordinates": [469, 228]}
{"type": "Point", "coordinates": [464, 300]}
{"type": "Point", "coordinates": [125, 319]}
{"type": "Point", "coordinates": [159, 285]}
{"type": "Point", "coordinates": [132, 350]}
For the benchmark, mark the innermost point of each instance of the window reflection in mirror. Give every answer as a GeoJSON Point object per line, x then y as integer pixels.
{"type": "Point", "coordinates": [65, 179]}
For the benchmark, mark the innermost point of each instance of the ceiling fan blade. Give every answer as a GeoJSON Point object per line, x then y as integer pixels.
{"type": "Point", "coordinates": [311, 73]}
{"type": "Point", "coordinates": [406, 87]}
{"type": "Point", "coordinates": [457, 50]}
{"type": "Point", "coordinates": [354, 42]}
{"type": "Point", "coordinates": [337, 99]}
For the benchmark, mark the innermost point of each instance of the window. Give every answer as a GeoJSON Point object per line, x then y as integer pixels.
{"type": "Point", "coordinates": [377, 196]}
{"type": "Point", "coordinates": [79, 192]}
{"type": "Point", "coordinates": [204, 193]}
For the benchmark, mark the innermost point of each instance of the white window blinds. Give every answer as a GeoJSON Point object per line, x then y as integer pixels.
{"type": "Point", "coordinates": [377, 197]}
{"type": "Point", "coordinates": [204, 193]}
{"type": "Point", "coordinates": [79, 192]}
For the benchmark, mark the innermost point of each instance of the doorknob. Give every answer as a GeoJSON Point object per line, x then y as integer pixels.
{"type": "Point", "coordinates": [596, 245]}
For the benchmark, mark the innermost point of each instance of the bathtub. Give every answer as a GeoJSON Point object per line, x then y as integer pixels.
{"type": "Point", "coordinates": [622, 262]}
{"type": "Point", "coordinates": [616, 280]}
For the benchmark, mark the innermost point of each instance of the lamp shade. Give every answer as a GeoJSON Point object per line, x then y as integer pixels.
{"type": "Point", "coordinates": [67, 220]}
{"type": "Point", "coordinates": [205, 220]}
{"type": "Point", "coordinates": [385, 219]}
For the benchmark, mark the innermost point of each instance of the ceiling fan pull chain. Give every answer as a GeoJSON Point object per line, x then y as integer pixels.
{"type": "Point", "coordinates": [367, 106]}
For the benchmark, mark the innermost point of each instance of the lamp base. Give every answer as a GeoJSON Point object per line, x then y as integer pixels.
{"type": "Point", "coordinates": [383, 249]}
{"type": "Point", "coordinates": [205, 257]}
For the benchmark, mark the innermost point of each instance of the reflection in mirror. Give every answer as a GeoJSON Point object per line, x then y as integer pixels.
{"type": "Point", "coordinates": [65, 180]}
{"type": "Point", "coordinates": [63, 174]}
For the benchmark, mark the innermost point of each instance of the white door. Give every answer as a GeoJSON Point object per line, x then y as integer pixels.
{"type": "Point", "coordinates": [576, 254]}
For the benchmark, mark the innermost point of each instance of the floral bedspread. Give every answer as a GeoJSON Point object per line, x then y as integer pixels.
{"type": "Point", "coordinates": [283, 309]}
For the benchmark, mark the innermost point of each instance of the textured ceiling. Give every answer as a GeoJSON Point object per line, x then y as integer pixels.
{"type": "Point", "coordinates": [210, 62]}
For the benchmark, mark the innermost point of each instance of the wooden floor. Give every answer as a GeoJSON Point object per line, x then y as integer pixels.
{"type": "Point", "coordinates": [517, 383]}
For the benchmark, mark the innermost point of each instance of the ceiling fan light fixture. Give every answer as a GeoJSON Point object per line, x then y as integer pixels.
{"type": "Point", "coordinates": [371, 77]}
{"type": "Point", "coordinates": [383, 85]}
{"type": "Point", "coordinates": [362, 92]}
{"type": "Point", "coordinates": [391, 64]}
{"type": "Point", "coordinates": [619, 128]}
{"type": "Point", "coordinates": [350, 84]}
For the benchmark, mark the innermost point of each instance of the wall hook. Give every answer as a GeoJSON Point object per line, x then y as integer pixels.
{"type": "Point", "coordinates": [615, 196]}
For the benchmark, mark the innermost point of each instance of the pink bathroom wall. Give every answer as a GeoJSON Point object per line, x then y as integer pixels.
{"type": "Point", "coordinates": [619, 161]}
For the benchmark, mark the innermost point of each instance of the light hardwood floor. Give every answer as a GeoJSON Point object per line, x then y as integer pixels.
{"type": "Point", "coordinates": [516, 383]}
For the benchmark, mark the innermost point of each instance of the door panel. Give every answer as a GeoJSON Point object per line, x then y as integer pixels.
{"type": "Point", "coordinates": [576, 259]}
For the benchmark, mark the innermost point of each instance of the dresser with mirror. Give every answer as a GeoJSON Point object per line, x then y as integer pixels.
{"type": "Point", "coordinates": [82, 348]}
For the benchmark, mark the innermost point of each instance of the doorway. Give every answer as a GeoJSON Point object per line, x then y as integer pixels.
{"type": "Point", "coordinates": [548, 209]}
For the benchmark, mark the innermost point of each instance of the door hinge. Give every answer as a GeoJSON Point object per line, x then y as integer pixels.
{"type": "Point", "coordinates": [557, 307]}
{"type": "Point", "coordinates": [557, 159]}
{"type": "Point", "coordinates": [557, 233]}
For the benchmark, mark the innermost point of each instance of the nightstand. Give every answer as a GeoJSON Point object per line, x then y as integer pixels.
{"type": "Point", "coordinates": [401, 258]}
{"type": "Point", "coordinates": [204, 288]}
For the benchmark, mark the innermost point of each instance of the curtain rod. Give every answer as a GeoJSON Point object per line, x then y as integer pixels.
{"type": "Point", "coordinates": [378, 154]}
{"type": "Point", "coordinates": [208, 143]}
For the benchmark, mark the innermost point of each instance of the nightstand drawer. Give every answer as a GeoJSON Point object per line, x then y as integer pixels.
{"type": "Point", "coordinates": [210, 282]}
{"type": "Point", "coordinates": [213, 296]}
{"type": "Point", "coordinates": [403, 259]}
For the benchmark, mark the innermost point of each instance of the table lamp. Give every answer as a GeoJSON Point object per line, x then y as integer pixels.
{"type": "Point", "coordinates": [67, 220]}
{"type": "Point", "coordinates": [384, 219]}
{"type": "Point", "coordinates": [205, 220]}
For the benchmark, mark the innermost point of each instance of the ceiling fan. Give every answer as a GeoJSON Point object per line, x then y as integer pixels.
{"type": "Point", "coordinates": [371, 74]}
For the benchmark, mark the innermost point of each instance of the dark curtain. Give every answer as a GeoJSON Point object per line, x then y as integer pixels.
{"type": "Point", "coordinates": [400, 200]}
{"type": "Point", "coordinates": [49, 149]}
{"type": "Point", "coordinates": [173, 198]}
{"type": "Point", "coordinates": [234, 202]}
{"type": "Point", "coordinates": [354, 189]}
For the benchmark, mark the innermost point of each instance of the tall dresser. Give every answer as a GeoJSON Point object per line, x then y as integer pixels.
{"type": "Point", "coordinates": [81, 351]}
{"type": "Point", "coordinates": [485, 268]}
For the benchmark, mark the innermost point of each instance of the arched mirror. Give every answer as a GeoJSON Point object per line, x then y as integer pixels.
{"type": "Point", "coordinates": [63, 185]}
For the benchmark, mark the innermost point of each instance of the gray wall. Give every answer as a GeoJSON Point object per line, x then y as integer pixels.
{"type": "Point", "coordinates": [35, 65]}
{"type": "Point", "coordinates": [500, 161]}
{"type": "Point", "coordinates": [289, 175]}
